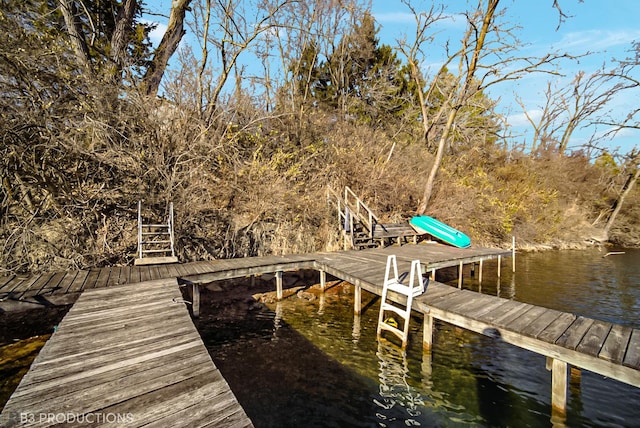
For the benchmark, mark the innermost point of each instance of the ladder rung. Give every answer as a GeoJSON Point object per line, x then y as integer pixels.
{"type": "Point", "coordinates": [156, 242]}
{"type": "Point", "coordinates": [397, 331]}
{"type": "Point", "coordinates": [401, 312]}
{"type": "Point", "coordinates": [155, 225]}
{"type": "Point", "coordinates": [156, 233]}
{"type": "Point", "coordinates": [405, 289]}
{"type": "Point", "coordinates": [168, 250]}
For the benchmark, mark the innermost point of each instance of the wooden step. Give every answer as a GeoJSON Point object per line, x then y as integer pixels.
{"type": "Point", "coordinates": [165, 250]}
{"type": "Point", "coordinates": [155, 261]}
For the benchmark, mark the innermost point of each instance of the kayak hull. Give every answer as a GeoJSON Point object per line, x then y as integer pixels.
{"type": "Point", "coordinates": [440, 230]}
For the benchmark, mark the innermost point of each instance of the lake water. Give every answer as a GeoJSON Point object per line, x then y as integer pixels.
{"type": "Point", "coordinates": [314, 364]}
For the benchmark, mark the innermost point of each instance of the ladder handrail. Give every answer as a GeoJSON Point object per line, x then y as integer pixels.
{"type": "Point", "coordinates": [170, 223]}
{"type": "Point", "coordinates": [139, 229]}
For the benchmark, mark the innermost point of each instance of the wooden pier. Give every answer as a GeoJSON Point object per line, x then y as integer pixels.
{"type": "Point", "coordinates": [125, 356]}
{"type": "Point", "coordinates": [564, 338]}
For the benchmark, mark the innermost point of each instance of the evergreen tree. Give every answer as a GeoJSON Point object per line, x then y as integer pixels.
{"type": "Point", "coordinates": [362, 79]}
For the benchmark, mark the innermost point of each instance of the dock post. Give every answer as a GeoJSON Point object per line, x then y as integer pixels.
{"type": "Point", "coordinates": [480, 271]}
{"type": "Point", "coordinates": [513, 253]}
{"type": "Point", "coordinates": [195, 296]}
{"type": "Point", "coordinates": [356, 328]}
{"type": "Point", "coordinates": [323, 280]}
{"type": "Point", "coordinates": [460, 275]}
{"type": "Point", "coordinates": [559, 386]}
{"type": "Point", "coordinates": [279, 285]}
{"type": "Point", "coordinates": [357, 300]}
{"type": "Point", "coordinates": [427, 332]}
{"type": "Point", "coordinates": [499, 264]}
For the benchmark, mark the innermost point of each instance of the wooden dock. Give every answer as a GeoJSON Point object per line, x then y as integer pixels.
{"type": "Point", "coordinates": [127, 355]}
{"type": "Point", "coordinates": [564, 338]}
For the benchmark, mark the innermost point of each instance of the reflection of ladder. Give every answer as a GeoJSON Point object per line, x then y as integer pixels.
{"type": "Point", "coordinates": [155, 241]}
{"type": "Point", "coordinates": [404, 293]}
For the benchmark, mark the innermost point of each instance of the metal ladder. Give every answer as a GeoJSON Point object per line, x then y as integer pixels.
{"type": "Point", "coordinates": [155, 241]}
{"type": "Point", "coordinates": [393, 283]}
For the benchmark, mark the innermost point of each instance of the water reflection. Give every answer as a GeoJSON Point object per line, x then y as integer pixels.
{"type": "Point", "coordinates": [397, 400]}
{"type": "Point", "coordinates": [277, 320]}
{"type": "Point", "coordinates": [313, 363]}
{"type": "Point", "coordinates": [356, 328]}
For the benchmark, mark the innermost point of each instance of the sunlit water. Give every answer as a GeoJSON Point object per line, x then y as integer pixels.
{"type": "Point", "coordinates": [314, 364]}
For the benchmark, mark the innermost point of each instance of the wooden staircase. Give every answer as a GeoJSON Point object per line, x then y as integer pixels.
{"type": "Point", "coordinates": [361, 228]}
{"type": "Point", "coordinates": [155, 240]}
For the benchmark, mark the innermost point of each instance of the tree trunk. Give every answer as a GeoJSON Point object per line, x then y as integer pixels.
{"type": "Point", "coordinates": [124, 19]}
{"type": "Point", "coordinates": [168, 45]}
{"type": "Point", "coordinates": [428, 188]}
{"type": "Point", "coordinates": [79, 44]}
{"type": "Point", "coordinates": [617, 205]}
{"type": "Point", "coordinates": [462, 96]}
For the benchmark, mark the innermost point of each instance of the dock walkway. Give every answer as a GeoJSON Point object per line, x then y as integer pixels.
{"type": "Point", "coordinates": [127, 355]}
{"type": "Point", "coordinates": [565, 339]}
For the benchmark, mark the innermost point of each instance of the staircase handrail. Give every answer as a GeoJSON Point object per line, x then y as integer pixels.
{"type": "Point", "coordinates": [366, 215]}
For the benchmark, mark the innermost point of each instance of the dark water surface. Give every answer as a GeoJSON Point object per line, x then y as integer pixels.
{"type": "Point", "coordinates": [301, 363]}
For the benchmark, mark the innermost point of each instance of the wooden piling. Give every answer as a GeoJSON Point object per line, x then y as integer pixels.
{"type": "Point", "coordinates": [195, 297]}
{"type": "Point", "coordinates": [559, 386]}
{"type": "Point", "coordinates": [279, 292]}
{"type": "Point", "coordinates": [427, 332]}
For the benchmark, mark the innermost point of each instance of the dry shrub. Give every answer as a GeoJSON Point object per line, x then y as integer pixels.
{"type": "Point", "coordinates": [255, 184]}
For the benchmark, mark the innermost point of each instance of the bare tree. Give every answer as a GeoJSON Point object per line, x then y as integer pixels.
{"type": "Point", "coordinates": [235, 33]}
{"type": "Point", "coordinates": [584, 103]}
{"type": "Point", "coordinates": [487, 56]}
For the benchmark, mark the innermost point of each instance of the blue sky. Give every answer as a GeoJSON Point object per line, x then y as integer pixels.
{"type": "Point", "coordinates": [592, 26]}
{"type": "Point", "coordinates": [605, 28]}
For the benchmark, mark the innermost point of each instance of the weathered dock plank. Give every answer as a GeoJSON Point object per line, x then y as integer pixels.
{"type": "Point", "coordinates": [53, 285]}
{"type": "Point", "coordinates": [538, 325]}
{"type": "Point", "coordinates": [572, 337]}
{"type": "Point", "coordinates": [78, 282]}
{"type": "Point", "coordinates": [594, 338]}
{"type": "Point", "coordinates": [18, 290]}
{"type": "Point", "coordinates": [632, 356]}
{"type": "Point", "coordinates": [32, 287]}
{"type": "Point", "coordinates": [557, 328]}
{"type": "Point", "coordinates": [126, 354]}
{"type": "Point", "coordinates": [615, 345]}
{"type": "Point", "coordinates": [4, 280]}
